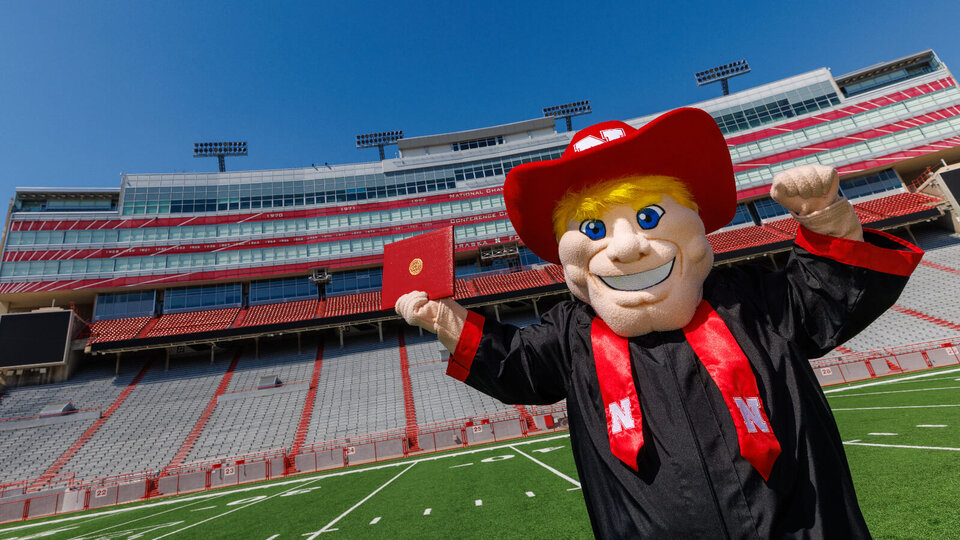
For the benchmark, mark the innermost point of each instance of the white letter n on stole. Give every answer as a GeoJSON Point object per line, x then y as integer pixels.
{"type": "Point", "coordinates": [752, 416]}
{"type": "Point", "coordinates": [621, 415]}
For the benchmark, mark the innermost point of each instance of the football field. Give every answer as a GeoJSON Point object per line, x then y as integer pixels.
{"type": "Point", "coordinates": [902, 438]}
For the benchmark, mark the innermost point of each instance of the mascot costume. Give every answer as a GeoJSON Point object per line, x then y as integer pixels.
{"type": "Point", "coordinates": [693, 409]}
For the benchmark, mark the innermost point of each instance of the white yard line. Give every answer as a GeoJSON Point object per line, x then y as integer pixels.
{"type": "Point", "coordinates": [298, 480]}
{"type": "Point", "coordinates": [858, 443]}
{"type": "Point", "coordinates": [150, 516]}
{"type": "Point", "coordinates": [545, 466]}
{"type": "Point", "coordinates": [326, 528]}
{"type": "Point", "coordinates": [931, 425]}
{"type": "Point", "coordinates": [883, 434]}
{"type": "Point", "coordinates": [835, 409]}
{"type": "Point", "coordinates": [243, 507]}
{"type": "Point", "coordinates": [899, 391]}
{"type": "Point", "coordinates": [888, 381]}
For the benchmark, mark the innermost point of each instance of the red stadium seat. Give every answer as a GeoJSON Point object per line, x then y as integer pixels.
{"type": "Point", "coordinates": [898, 204]}
{"type": "Point", "coordinates": [745, 237]}
{"type": "Point", "coordinates": [172, 324]}
{"type": "Point", "coordinates": [279, 313]}
{"type": "Point", "coordinates": [116, 329]}
{"type": "Point", "coordinates": [502, 283]}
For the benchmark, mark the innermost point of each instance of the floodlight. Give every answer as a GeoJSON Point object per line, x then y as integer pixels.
{"type": "Point", "coordinates": [722, 73]}
{"type": "Point", "coordinates": [379, 139]}
{"type": "Point", "coordinates": [219, 150]}
{"type": "Point", "coordinates": [568, 110]}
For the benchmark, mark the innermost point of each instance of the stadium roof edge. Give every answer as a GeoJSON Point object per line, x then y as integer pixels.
{"type": "Point", "coordinates": [479, 133]}
{"type": "Point", "coordinates": [922, 55]}
{"type": "Point", "coordinates": [91, 190]}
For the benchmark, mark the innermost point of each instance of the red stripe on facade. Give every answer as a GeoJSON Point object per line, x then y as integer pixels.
{"type": "Point", "coordinates": [259, 243]}
{"type": "Point", "coordinates": [236, 274]}
{"type": "Point", "coordinates": [205, 415]}
{"type": "Point", "coordinates": [19, 220]}
{"type": "Point", "coordinates": [842, 141]}
{"type": "Point", "coordinates": [409, 407]}
{"type": "Point", "coordinates": [78, 444]}
{"type": "Point", "coordinates": [839, 113]}
{"type": "Point", "coordinates": [304, 424]}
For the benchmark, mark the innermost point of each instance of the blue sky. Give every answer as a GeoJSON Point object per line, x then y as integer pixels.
{"type": "Point", "coordinates": [94, 88]}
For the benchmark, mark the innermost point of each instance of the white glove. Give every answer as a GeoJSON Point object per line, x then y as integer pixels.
{"type": "Point", "coordinates": [443, 317]}
{"type": "Point", "coordinates": [810, 193]}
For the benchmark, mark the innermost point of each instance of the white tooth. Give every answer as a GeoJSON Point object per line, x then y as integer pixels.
{"type": "Point", "coordinates": [640, 280]}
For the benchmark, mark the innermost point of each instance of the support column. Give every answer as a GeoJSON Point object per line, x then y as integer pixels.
{"type": "Point", "coordinates": [340, 329]}
{"type": "Point", "coordinates": [912, 237]}
{"type": "Point", "coordinates": [773, 261]}
{"type": "Point", "coordinates": [380, 329]}
{"type": "Point", "coordinates": [536, 310]}
{"type": "Point", "coordinates": [496, 310]}
{"type": "Point", "coordinates": [166, 364]}
{"type": "Point", "coordinates": [117, 371]}
{"type": "Point", "coordinates": [211, 353]}
{"type": "Point", "coordinates": [299, 346]}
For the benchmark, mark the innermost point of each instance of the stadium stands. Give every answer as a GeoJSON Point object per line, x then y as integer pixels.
{"type": "Point", "coordinates": [116, 329]}
{"type": "Point", "coordinates": [898, 204]}
{"type": "Point", "coordinates": [151, 425]}
{"type": "Point", "coordinates": [350, 304]}
{"type": "Point", "coordinates": [504, 283]}
{"type": "Point", "coordinates": [555, 271]}
{"type": "Point", "coordinates": [359, 391]}
{"type": "Point", "coordinates": [279, 313]}
{"type": "Point", "coordinates": [192, 322]}
{"type": "Point", "coordinates": [437, 396]}
{"type": "Point", "coordinates": [745, 237]}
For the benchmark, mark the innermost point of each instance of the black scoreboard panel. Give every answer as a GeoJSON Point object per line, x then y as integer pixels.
{"type": "Point", "coordinates": [34, 338]}
{"type": "Point", "coordinates": [951, 180]}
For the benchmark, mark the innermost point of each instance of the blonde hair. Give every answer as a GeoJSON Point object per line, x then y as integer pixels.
{"type": "Point", "coordinates": [638, 191]}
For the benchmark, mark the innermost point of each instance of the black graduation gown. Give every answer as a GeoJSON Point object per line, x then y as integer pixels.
{"type": "Point", "coordinates": [692, 481]}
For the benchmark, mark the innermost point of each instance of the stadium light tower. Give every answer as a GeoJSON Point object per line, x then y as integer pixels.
{"type": "Point", "coordinates": [220, 150]}
{"type": "Point", "coordinates": [722, 73]}
{"type": "Point", "coordinates": [568, 110]}
{"type": "Point", "coordinates": [381, 139]}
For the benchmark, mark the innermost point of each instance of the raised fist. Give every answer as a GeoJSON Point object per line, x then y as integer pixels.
{"type": "Point", "coordinates": [806, 189]}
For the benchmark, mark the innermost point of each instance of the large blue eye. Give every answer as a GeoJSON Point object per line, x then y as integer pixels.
{"type": "Point", "coordinates": [593, 228]}
{"type": "Point", "coordinates": [649, 217]}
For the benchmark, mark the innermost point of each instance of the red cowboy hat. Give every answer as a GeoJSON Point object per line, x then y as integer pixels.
{"type": "Point", "coordinates": [685, 144]}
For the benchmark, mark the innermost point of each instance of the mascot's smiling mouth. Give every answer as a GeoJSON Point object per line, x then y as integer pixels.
{"type": "Point", "coordinates": [640, 280]}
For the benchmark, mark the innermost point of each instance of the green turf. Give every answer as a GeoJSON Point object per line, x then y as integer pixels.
{"type": "Point", "coordinates": [904, 492]}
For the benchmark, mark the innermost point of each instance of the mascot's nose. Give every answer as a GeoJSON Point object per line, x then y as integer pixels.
{"type": "Point", "coordinates": [627, 244]}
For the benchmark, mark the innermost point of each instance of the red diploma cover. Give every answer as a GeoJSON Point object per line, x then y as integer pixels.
{"type": "Point", "coordinates": [421, 263]}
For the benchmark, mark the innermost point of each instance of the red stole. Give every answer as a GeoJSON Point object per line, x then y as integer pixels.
{"type": "Point", "coordinates": [729, 368]}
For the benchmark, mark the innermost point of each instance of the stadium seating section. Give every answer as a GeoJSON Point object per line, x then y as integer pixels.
{"type": "Point", "coordinates": [777, 231]}
{"type": "Point", "coordinates": [198, 410]}
{"type": "Point", "coordinates": [278, 313]}
{"type": "Point", "coordinates": [117, 329]}
{"type": "Point", "coordinates": [172, 324]}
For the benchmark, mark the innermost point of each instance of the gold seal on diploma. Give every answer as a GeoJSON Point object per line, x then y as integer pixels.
{"type": "Point", "coordinates": [416, 266]}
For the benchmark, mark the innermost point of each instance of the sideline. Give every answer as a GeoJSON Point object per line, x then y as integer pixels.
{"type": "Point", "coordinates": [299, 480]}
{"type": "Point", "coordinates": [888, 381]}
